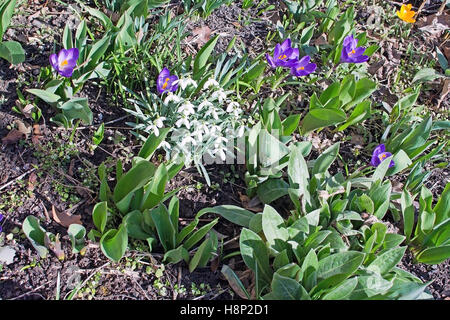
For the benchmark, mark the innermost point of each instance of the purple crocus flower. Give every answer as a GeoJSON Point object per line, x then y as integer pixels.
{"type": "Point", "coordinates": [1, 218]}
{"type": "Point", "coordinates": [284, 55]}
{"type": "Point", "coordinates": [166, 82]}
{"type": "Point", "coordinates": [351, 53]}
{"type": "Point", "coordinates": [303, 67]}
{"type": "Point", "coordinates": [65, 61]}
{"type": "Point", "coordinates": [379, 154]}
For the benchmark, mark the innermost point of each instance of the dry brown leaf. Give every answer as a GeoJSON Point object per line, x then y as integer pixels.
{"type": "Point", "coordinates": [252, 205]}
{"type": "Point", "coordinates": [13, 137]}
{"type": "Point", "coordinates": [27, 110]}
{"type": "Point", "coordinates": [203, 33]}
{"type": "Point", "coordinates": [72, 163]}
{"type": "Point", "coordinates": [32, 181]}
{"type": "Point", "coordinates": [55, 246]}
{"type": "Point", "coordinates": [64, 219]}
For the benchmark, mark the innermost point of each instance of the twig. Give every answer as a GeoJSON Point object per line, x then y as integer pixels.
{"type": "Point", "coordinates": [15, 179]}
{"type": "Point", "coordinates": [32, 291]}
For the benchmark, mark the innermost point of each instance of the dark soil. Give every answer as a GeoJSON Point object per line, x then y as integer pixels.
{"type": "Point", "coordinates": [30, 277]}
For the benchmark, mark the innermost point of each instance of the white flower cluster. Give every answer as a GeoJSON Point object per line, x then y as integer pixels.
{"type": "Point", "coordinates": [205, 124]}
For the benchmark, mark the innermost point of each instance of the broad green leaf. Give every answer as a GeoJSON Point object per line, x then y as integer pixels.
{"type": "Point", "coordinates": [203, 55]}
{"type": "Point", "coordinates": [337, 267]}
{"type": "Point", "coordinates": [100, 215]}
{"type": "Point", "coordinates": [442, 208]}
{"type": "Point", "coordinates": [47, 96]}
{"type": "Point", "coordinates": [36, 234]}
{"type": "Point", "coordinates": [274, 228]}
{"type": "Point", "coordinates": [6, 12]}
{"type": "Point", "coordinates": [255, 253]}
{"type": "Point", "coordinates": [114, 243]}
{"type": "Point", "coordinates": [134, 222]}
{"type": "Point", "coordinates": [176, 255]}
{"type": "Point", "coordinates": [166, 230]}
{"type": "Point", "coordinates": [321, 117]}
{"type": "Point", "coordinates": [12, 51]}
{"type": "Point", "coordinates": [234, 214]}
{"type": "Point", "coordinates": [285, 288]}
{"type": "Point", "coordinates": [272, 189]}
{"type": "Point", "coordinates": [360, 113]}
{"type": "Point", "coordinates": [234, 282]}
{"type": "Point", "coordinates": [408, 213]}
{"type": "Point", "coordinates": [384, 262]}
{"type": "Point", "coordinates": [77, 108]}
{"type": "Point", "coordinates": [155, 191]}
{"type": "Point", "coordinates": [199, 234]}
{"type": "Point", "coordinates": [204, 253]}
{"type": "Point", "coordinates": [152, 143]}
{"type": "Point", "coordinates": [325, 160]}
{"type": "Point", "coordinates": [434, 255]}
{"type": "Point", "coordinates": [290, 124]}
{"type": "Point", "coordinates": [76, 234]}
{"type": "Point", "coordinates": [138, 176]}
{"type": "Point", "coordinates": [426, 74]}
{"type": "Point", "coordinates": [67, 38]}
{"type": "Point", "coordinates": [342, 291]}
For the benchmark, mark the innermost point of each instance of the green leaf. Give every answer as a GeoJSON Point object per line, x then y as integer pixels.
{"type": "Point", "coordinates": [408, 214]}
{"type": "Point", "coordinates": [12, 51]}
{"type": "Point", "coordinates": [342, 291]}
{"type": "Point", "coordinates": [155, 191]}
{"type": "Point", "coordinates": [45, 95]}
{"type": "Point", "coordinates": [166, 230]}
{"type": "Point", "coordinates": [290, 124]}
{"type": "Point", "coordinates": [76, 234]}
{"type": "Point", "coordinates": [138, 176]}
{"type": "Point", "coordinates": [99, 134]}
{"type": "Point", "coordinates": [234, 282]}
{"type": "Point", "coordinates": [337, 267]}
{"type": "Point", "coordinates": [426, 74]}
{"type": "Point", "coordinates": [285, 288]}
{"type": "Point", "coordinates": [255, 254]}
{"type": "Point", "coordinates": [234, 214]}
{"type": "Point", "coordinates": [176, 255]}
{"type": "Point", "coordinates": [36, 234]}
{"type": "Point", "coordinates": [134, 222]}
{"type": "Point", "coordinates": [204, 252]}
{"type": "Point", "coordinates": [321, 117]}
{"type": "Point", "coordinates": [203, 55]}
{"type": "Point", "coordinates": [325, 160]}
{"type": "Point", "coordinates": [392, 240]}
{"type": "Point", "coordinates": [272, 189]}
{"type": "Point", "coordinates": [152, 143]}
{"type": "Point", "coordinates": [386, 261]}
{"type": "Point", "coordinates": [100, 215]}
{"type": "Point", "coordinates": [359, 114]}
{"type": "Point", "coordinates": [114, 243]}
{"type": "Point", "coordinates": [434, 255]}
{"type": "Point", "coordinates": [6, 13]}
{"type": "Point", "coordinates": [77, 108]}
{"type": "Point", "coordinates": [67, 38]}
{"type": "Point", "coordinates": [274, 228]}
{"type": "Point", "coordinates": [199, 234]}
{"type": "Point", "coordinates": [442, 208]}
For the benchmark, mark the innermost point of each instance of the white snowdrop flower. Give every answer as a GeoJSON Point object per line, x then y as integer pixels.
{"type": "Point", "coordinates": [240, 131]}
{"type": "Point", "coordinates": [219, 140]}
{"type": "Point", "coordinates": [159, 122]}
{"type": "Point", "coordinates": [214, 129]}
{"type": "Point", "coordinates": [187, 140]}
{"type": "Point", "coordinates": [232, 106]}
{"type": "Point", "coordinates": [211, 83]}
{"type": "Point", "coordinates": [183, 121]}
{"type": "Point", "coordinates": [219, 95]}
{"type": "Point", "coordinates": [220, 153]}
{"type": "Point", "coordinates": [172, 97]}
{"type": "Point", "coordinates": [186, 82]}
{"type": "Point", "coordinates": [204, 104]}
{"type": "Point", "coordinates": [212, 112]}
{"type": "Point", "coordinates": [186, 108]}
{"type": "Point", "coordinates": [165, 145]}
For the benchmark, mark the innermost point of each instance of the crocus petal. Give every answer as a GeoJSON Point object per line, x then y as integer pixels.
{"type": "Point", "coordinates": [277, 51]}
{"type": "Point", "coordinates": [66, 72]}
{"type": "Point", "coordinates": [72, 57]}
{"type": "Point", "coordinates": [165, 73]}
{"type": "Point", "coordinates": [304, 61]}
{"type": "Point", "coordinates": [270, 61]}
{"type": "Point", "coordinates": [62, 55]}
{"type": "Point", "coordinates": [310, 67]}
{"type": "Point", "coordinates": [295, 54]}
{"type": "Point", "coordinates": [286, 44]}
{"type": "Point", "coordinates": [359, 51]}
{"type": "Point", "coordinates": [172, 84]}
{"type": "Point", "coordinates": [348, 40]}
{"type": "Point", "coordinates": [54, 61]}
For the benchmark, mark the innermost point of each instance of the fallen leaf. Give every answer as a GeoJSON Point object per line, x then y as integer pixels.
{"type": "Point", "coordinates": [32, 181]}
{"type": "Point", "coordinates": [13, 137]}
{"type": "Point", "coordinates": [27, 110]}
{"type": "Point", "coordinates": [72, 163]}
{"type": "Point", "coordinates": [203, 33]}
{"type": "Point", "coordinates": [252, 205]}
{"type": "Point", "coordinates": [7, 255]}
{"type": "Point", "coordinates": [64, 219]}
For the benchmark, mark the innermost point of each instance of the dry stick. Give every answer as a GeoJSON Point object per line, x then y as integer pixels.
{"type": "Point", "coordinates": [29, 292]}
{"type": "Point", "coordinates": [15, 179]}
{"type": "Point", "coordinates": [94, 125]}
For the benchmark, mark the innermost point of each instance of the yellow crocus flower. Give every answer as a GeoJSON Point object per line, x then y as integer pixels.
{"type": "Point", "coordinates": [406, 14]}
